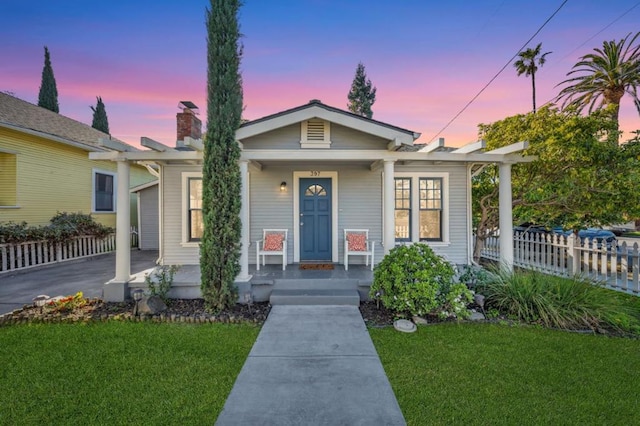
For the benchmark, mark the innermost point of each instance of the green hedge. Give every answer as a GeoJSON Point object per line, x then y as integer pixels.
{"type": "Point", "coordinates": [63, 226]}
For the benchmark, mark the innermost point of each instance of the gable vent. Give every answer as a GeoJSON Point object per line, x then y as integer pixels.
{"type": "Point", "coordinates": [315, 133]}
{"type": "Point", "coordinates": [315, 130]}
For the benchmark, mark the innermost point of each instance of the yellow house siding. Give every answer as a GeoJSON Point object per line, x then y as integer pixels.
{"type": "Point", "coordinates": [52, 177]}
{"type": "Point", "coordinates": [7, 179]}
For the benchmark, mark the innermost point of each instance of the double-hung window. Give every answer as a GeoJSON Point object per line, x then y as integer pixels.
{"type": "Point", "coordinates": [421, 207]}
{"type": "Point", "coordinates": [194, 209]}
{"type": "Point", "coordinates": [403, 209]}
{"type": "Point", "coordinates": [430, 209]}
{"type": "Point", "coordinates": [104, 192]}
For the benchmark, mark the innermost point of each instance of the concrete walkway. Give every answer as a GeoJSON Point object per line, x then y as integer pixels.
{"type": "Point", "coordinates": [312, 365]}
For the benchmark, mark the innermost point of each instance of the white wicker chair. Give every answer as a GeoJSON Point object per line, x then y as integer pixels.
{"type": "Point", "coordinates": [273, 243]}
{"type": "Point", "coordinates": [357, 243]}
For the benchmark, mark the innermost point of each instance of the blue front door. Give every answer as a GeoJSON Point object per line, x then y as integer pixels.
{"type": "Point", "coordinates": [315, 219]}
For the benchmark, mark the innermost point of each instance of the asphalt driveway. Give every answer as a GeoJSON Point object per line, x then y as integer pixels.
{"type": "Point", "coordinates": [86, 275]}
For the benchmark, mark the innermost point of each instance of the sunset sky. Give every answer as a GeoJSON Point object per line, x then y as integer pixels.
{"type": "Point", "coordinates": [428, 59]}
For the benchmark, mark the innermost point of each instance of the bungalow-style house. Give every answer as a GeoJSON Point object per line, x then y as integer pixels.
{"type": "Point", "coordinates": [319, 173]}
{"type": "Point", "coordinates": [45, 169]}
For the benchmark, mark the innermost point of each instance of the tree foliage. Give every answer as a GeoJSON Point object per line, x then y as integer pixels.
{"type": "Point", "coordinates": [100, 120]}
{"type": "Point", "coordinates": [48, 96]}
{"type": "Point", "coordinates": [528, 64]}
{"type": "Point", "coordinates": [602, 78]}
{"type": "Point", "coordinates": [362, 94]}
{"type": "Point", "coordinates": [220, 245]}
{"type": "Point", "coordinates": [577, 179]}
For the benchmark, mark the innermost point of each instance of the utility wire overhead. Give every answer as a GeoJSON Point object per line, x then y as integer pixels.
{"type": "Point", "coordinates": [499, 72]}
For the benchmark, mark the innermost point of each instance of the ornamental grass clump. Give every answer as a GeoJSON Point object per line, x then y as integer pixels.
{"type": "Point", "coordinates": [413, 280]}
{"type": "Point", "coordinates": [560, 302]}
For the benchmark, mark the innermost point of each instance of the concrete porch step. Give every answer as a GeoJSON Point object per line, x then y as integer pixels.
{"type": "Point", "coordinates": [315, 284]}
{"type": "Point", "coordinates": [315, 297]}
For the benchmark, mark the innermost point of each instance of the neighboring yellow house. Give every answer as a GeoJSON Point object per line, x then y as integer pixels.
{"type": "Point", "coordinates": [45, 167]}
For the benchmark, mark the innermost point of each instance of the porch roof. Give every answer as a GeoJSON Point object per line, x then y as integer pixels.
{"type": "Point", "coordinates": [472, 153]}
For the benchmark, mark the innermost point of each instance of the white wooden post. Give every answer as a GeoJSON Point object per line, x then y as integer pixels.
{"type": "Point", "coordinates": [389, 233]}
{"type": "Point", "coordinates": [244, 219]}
{"type": "Point", "coordinates": [506, 217]}
{"type": "Point", "coordinates": [116, 290]}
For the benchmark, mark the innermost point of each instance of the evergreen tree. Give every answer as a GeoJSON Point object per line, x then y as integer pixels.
{"type": "Point", "coordinates": [362, 94]}
{"type": "Point", "coordinates": [100, 120]}
{"type": "Point", "coordinates": [221, 181]}
{"type": "Point", "coordinates": [48, 96]}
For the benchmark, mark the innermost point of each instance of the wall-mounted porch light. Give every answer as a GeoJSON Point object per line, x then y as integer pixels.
{"type": "Point", "coordinates": [283, 186]}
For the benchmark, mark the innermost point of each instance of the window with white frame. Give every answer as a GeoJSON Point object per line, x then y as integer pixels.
{"type": "Point", "coordinates": [430, 209]}
{"type": "Point", "coordinates": [403, 209]}
{"type": "Point", "coordinates": [104, 191]}
{"type": "Point", "coordinates": [421, 201]}
{"type": "Point", "coordinates": [195, 226]}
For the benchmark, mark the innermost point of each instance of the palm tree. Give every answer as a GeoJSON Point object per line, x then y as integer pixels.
{"type": "Point", "coordinates": [605, 76]}
{"type": "Point", "coordinates": [528, 65]}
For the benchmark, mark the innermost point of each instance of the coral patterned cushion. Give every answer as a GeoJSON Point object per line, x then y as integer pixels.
{"type": "Point", "coordinates": [357, 242]}
{"type": "Point", "coordinates": [273, 242]}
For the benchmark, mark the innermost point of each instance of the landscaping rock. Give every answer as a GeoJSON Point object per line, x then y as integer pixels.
{"type": "Point", "coordinates": [405, 326]}
{"type": "Point", "coordinates": [420, 321]}
{"type": "Point", "coordinates": [151, 305]}
{"type": "Point", "coordinates": [476, 316]}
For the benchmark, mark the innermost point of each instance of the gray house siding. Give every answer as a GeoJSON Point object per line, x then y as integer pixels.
{"type": "Point", "coordinates": [289, 138]}
{"type": "Point", "coordinates": [457, 249]}
{"type": "Point", "coordinates": [149, 218]}
{"type": "Point", "coordinates": [174, 252]}
{"type": "Point", "coordinates": [359, 206]}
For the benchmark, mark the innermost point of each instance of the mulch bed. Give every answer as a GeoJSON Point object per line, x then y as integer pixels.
{"type": "Point", "coordinates": [178, 310]}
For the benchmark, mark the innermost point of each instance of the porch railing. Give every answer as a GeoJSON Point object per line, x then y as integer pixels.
{"type": "Point", "coordinates": [21, 256]}
{"type": "Point", "coordinates": [616, 265]}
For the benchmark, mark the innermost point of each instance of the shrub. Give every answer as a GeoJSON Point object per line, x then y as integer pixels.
{"type": "Point", "coordinates": [559, 302]}
{"type": "Point", "coordinates": [63, 226]}
{"type": "Point", "coordinates": [159, 283]}
{"type": "Point", "coordinates": [413, 279]}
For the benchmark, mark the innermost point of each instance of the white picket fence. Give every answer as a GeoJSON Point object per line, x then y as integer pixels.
{"type": "Point", "coordinates": [617, 266]}
{"type": "Point", "coordinates": [21, 256]}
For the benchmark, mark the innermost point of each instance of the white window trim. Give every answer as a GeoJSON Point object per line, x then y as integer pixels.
{"type": "Point", "coordinates": [93, 190]}
{"type": "Point", "coordinates": [185, 176]}
{"type": "Point", "coordinates": [324, 144]}
{"type": "Point", "coordinates": [415, 205]}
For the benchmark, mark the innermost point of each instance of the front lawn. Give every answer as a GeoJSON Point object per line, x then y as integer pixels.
{"type": "Point", "coordinates": [119, 373]}
{"type": "Point", "coordinates": [499, 374]}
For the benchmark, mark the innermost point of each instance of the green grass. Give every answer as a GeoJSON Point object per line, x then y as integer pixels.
{"type": "Point", "coordinates": [486, 374]}
{"type": "Point", "coordinates": [119, 373]}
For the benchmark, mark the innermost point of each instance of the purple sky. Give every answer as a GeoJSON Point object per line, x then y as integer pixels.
{"type": "Point", "coordinates": [426, 58]}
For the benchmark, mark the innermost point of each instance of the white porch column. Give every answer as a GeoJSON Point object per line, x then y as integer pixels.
{"type": "Point", "coordinates": [506, 217]}
{"type": "Point", "coordinates": [244, 219]}
{"type": "Point", "coordinates": [388, 227]}
{"type": "Point", "coordinates": [116, 290]}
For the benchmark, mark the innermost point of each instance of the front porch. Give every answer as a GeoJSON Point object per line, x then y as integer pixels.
{"type": "Point", "coordinates": [271, 283]}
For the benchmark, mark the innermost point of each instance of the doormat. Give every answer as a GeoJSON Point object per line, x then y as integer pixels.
{"type": "Point", "coordinates": [324, 266]}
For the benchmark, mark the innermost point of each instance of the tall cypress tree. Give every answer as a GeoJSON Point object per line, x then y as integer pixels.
{"type": "Point", "coordinates": [220, 244]}
{"type": "Point", "coordinates": [48, 96]}
{"type": "Point", "coordinates": [362, 94]}
{"type": "Point", "coordinates": [100, 120]}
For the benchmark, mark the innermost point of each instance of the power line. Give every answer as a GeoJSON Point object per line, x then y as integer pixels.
{"type": "Point", "coordinates": [591, 38]}
{"type": "Point", "coordinates": [499, 72]}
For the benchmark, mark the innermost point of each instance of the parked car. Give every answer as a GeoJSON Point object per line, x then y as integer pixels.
{"type": "Point", "coordinates": [591, 234]}
{"type": "Point", "coordinates": [530, 228]}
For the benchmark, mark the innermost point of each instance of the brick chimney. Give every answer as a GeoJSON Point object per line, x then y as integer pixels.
{"type": "Point", "coordinates": [188, 125]}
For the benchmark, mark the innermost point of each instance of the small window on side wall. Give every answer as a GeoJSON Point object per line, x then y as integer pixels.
{"type": "Point", "coordinates": [194, 208]}
{"type": "Point", "coordinates": [104, 192]}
